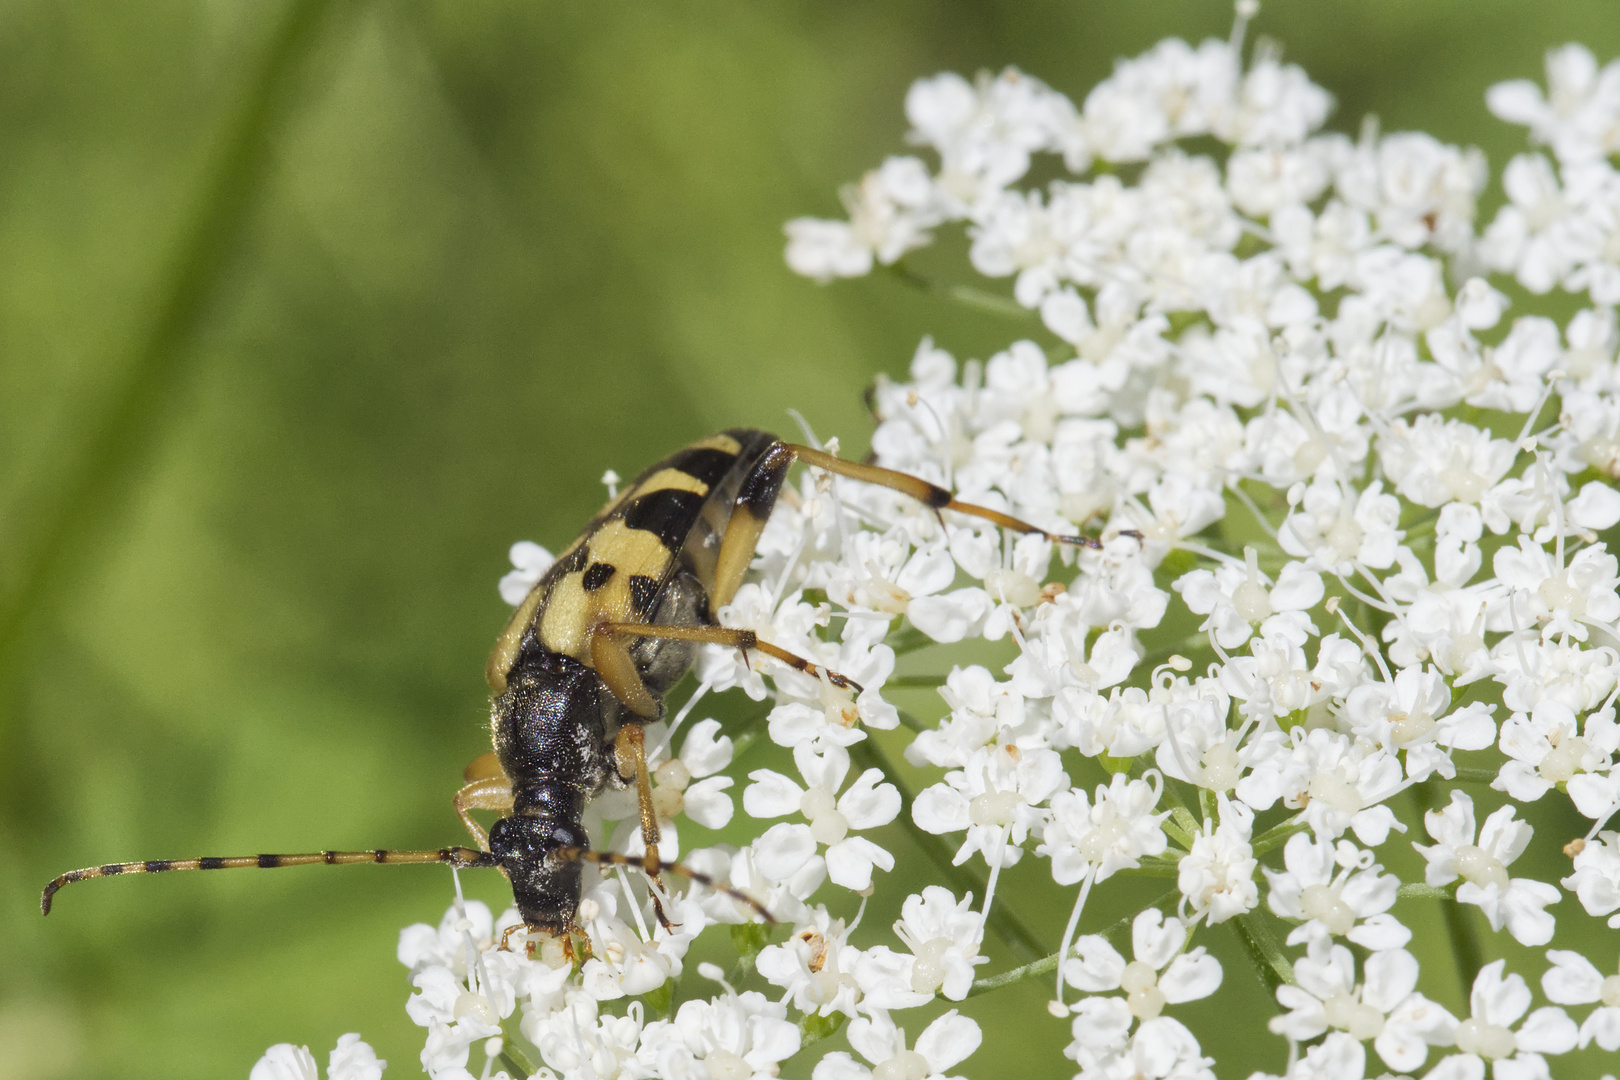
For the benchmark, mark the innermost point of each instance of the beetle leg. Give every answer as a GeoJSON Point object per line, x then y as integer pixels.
{"type": "Point", "coordinates": [725, 635]}
{"type": "Point", "coordinates": [641, 862]}
{"type": "Point", "coordinates": [487, 794]}
{"type": "Point", "coordinates": [756, 498]}
{"type": "Point", "coordinates": [613, 663]}
{"type": "Point", "coordinates": [630, 757]}
{"type": "Point", "coordinates": [486, 766]}
{"type": "Point", "coordinates": [931, 495]}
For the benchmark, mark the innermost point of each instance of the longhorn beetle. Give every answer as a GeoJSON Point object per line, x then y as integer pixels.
{"type": "Point", "coordinates": [590, 653]}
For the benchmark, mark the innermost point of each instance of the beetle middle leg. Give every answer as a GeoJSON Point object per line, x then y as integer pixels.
{"type": "Point", "coordinates": [618, 672]}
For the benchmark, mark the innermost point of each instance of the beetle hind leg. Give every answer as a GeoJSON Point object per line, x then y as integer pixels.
{"type": "Point", "coordinates": [745, 640]}
{"type": "Point", "coordinates": [929, 494]}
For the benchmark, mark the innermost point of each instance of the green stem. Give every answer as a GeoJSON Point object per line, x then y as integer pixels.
{"type": "Point", "coordinates": [966, 295]}
{"type": "Point", "coordinates": [1152, 866]}
{"type": "Point", "coordinates": [1414, 890]}
{"type": "Point", "coordinates": [1181, 826]}
{"type": "Point", "coordinates": [516, 1063]}
{"type": "Point", "coordinates": [1465, 945]}
{"type": "Point", "coordinates": [908, 639]}
{"type": "Point", "coordinates": [958, 879]}
{"type": "Point", "coordinates": [914, 682]}
{"type": "Point", "coordinates": [912, 723]}
{"type": "Point", "coordinates": [52, 553]}
{"type": "Point", "coordinates": [1263, 951]}
{"type": "Point", "coordinates": [1422, 526]}
{"type": "Point", "coordinates": [1278, 835]}
{"type": "Point", "coordinates": [1476, 776]}
{"type": "Point", "coordinates": [1047, 964]}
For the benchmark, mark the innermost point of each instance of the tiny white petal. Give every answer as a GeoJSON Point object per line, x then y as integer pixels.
{"type": "Point", "coordinates": [870, 802]}
{"type": "Point", "coordinates": [771, 795]}
{"type": "Point", "coordinates": [949, 1041]}
{"type": "Point", "coordinates": [839, 1065]}
{"type": "Point", "coordinates": [783, 849]}
{"type": "Point", "coordinates": [1458, 1067]}
{"type": "Point", "coordinates": [1155, 939]}
{"type": "Point", "coordinates": [705, 804]}
{"type": "Point", "coordinates": [1191, 976]}
{"type": "Point", "coordinates": [1548, 1030]}
{"type": "Point", "coordinates": [850, 862]}
{"type": "Point", "coordinates": [950, 616]}
{"type": "Point", "coordinates": [939, 809]}
{"type": "Point", "coordinates": [1096, 967]}
{"type": "Point", "coordinates": [284, 1061]}
{"type": "Point", "coordinates": [354, 1059]}
{"type": "Point", "coordinates": [1572, 980]}
{"type": "Point", "coordinates": [705, 750]}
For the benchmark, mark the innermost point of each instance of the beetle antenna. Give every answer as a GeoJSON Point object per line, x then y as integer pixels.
{"type": "Point", "coordinates": [460, 857]}
{"type": "Point", "coordinates": [657, 866]}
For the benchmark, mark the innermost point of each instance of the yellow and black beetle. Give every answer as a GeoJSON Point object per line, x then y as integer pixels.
{"type": "Point", "coordinates": [588, 656]}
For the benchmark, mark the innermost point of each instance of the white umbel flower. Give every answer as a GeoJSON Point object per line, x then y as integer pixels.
{"type": "Point", "coordinates": [351, 1059]}
{"type": "Point", "coordinates": [830, 817]}
{"type": "Point", "coordinates": [1383, 1007]}
{"type": "Point", "coordinates": [735, 1037]}
{"type": "Point", "coordinates": [1112, 832]}
{"type": "Point", "coordinates": [1596, 880]}
{"type": "Point", "coordinates": [1284, 377]}
{"type": "Point", "coordinates": [1488, 1035]}
{"type": "Point", "coordinates": [1574, 980]}
{"type": "Point", "coordinates": [1159, 973]}
{"type": "Point", "coordinates": [1517, 903]}
{"type": "Point", "coordinates": [943, 935]}
{"type": "Point", "coordinates": [1338, 890]}
{"type": "Point", "coordinates": [942, 1045]}
{"type": "Point", "coordinates": [1217, 875]}
{"type": "Point", "coordinates": [996, 799]}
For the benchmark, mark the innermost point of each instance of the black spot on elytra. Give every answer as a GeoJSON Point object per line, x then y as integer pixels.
{"type": "Point", "coordinates": [667, 514]}
{"type": "Point", "coordinates": [597, 575]}
{"type": "Point", "coordinates": [702, 463]}
{"type": "Point", "coordinates": [643, 592]}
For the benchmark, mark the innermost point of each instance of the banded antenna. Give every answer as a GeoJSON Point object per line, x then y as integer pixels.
{"type": "Point", "coordinates": [461, 858]}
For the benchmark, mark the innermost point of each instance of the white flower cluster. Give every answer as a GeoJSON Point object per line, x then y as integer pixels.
{"type": "Point", "coordinates": [1326, 460]}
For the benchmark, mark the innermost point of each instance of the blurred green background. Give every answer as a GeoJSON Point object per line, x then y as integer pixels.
{"type": "Point", "coordinates": [308, 310]}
